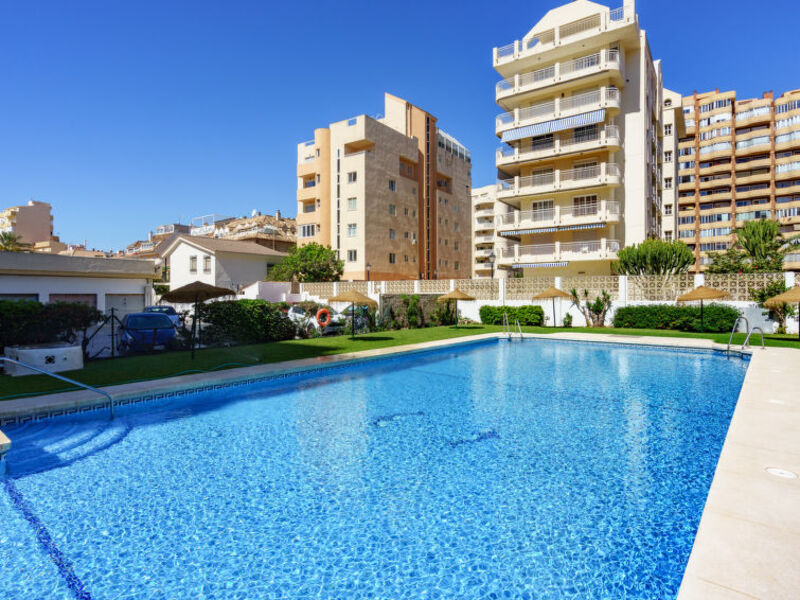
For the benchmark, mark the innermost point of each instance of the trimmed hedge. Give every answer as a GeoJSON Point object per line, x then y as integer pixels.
{"type": "Point", "coordinates": [717, 318]}
{"type": "Point", "coordinates": [245, 322]}
{"type": "Point", "coordinates": [30, 322]}
{"type": "Point", "coordinates": [527, 314]}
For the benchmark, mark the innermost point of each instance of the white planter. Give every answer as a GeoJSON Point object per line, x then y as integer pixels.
{"type": "Point", "coordinates": [49, 357]}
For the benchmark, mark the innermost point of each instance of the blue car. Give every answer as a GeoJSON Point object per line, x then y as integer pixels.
{"type": "Point", "coordinates": [145, 332]}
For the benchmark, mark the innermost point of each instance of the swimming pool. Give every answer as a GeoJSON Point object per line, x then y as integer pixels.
{"type": "Point", "coordinates": [541, 469]}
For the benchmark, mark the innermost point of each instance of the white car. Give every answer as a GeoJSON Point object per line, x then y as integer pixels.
{"type": "Point", "coordinates": [310, 325]}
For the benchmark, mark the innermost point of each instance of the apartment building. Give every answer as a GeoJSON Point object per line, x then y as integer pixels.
{"type": "Point", "coordinates": [32, 222]}
{"type": "Point", "coordinates": [391, 194]}
{"type": "Point", "coordinates": [486, 244]}
{"type": "Point", "coordinates": [673, 129]}
{"type": "Point", "coordinates": [738, 160]}
{"type": "Point", "coordinates": [581, 140]}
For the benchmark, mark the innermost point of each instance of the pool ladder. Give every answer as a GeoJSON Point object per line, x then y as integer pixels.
{"type": "Point", "coordinates": [510, 330]}
{"type": "Point", "coordinates": [67, 379]}
{"type": "Point", "coordinates": [747, 337]}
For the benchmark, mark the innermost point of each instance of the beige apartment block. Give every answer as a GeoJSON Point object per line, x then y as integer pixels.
{"type": "Point", "coordinates": [738, 160]}
{"type": "Point", "coordinates": [390, 194]}
{"type": "Point", "coordinates": [487, 246]}
{"type": "Point", "coordinates": [672, 122]}
{"type": "Point", "coordinates": [581, 131]}
{"type": "Point", "coordinates": [32, 222]}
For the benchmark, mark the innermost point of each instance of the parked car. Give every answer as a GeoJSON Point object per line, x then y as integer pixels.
{"type": "Point", "coordinates": [310, 325]}
{"type": "Point", "coordinates": [146, 331]}
{"type": "Point", "coordinates": [165, 310]}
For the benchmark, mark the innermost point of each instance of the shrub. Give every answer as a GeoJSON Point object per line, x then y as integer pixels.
{"type": "Point", "coordinates": [568, 320]}
{"type": "Point", "coordinates": [528, 314]}
{"type": "Point", "coordinates": [30, 322]}
{"type": "Point", "coordinates": [717, 318]}
{"type": "Point", "coordinates": [245, 321]}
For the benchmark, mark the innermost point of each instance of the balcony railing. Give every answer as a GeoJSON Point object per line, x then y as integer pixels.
{"type": "Point", "coordinates": [553, 109]}
{"type": "Point", "coordinates": [566, 33]}
{"type": "Point", "coordinates": [552, 147]}
{"type": "Point", "coordinates": [560, 71]}
{"type": "Point", "coordinates": [562, 178]}
{"type": "Point", "coordinates": [587, 250]}
{"type": "Point", "coordinates": [602, 210]}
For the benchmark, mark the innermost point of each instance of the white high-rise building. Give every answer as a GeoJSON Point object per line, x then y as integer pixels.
{"type": "Point", "coordinates": [580, 162]}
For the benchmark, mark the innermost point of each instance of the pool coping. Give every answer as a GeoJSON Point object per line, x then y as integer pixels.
{"type": "Point", "coordinates": [748, 541]}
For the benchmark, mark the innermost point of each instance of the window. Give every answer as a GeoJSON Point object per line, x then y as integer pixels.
{"type": "Point", "coordinates": [668, 183]}
{"type": "Point", "coordinates": [685, 151]}
{"type": "Point", "coordinates": [668, 236]}
{"type": "Point", "coordinates": [352, 255]}
{"type": "Point", "coordinates": [405, 257]}
{"type": "Point", "coordinates": [405, 235]}
{"type": "Point", "coordinates": [307, 231]}
{"type": "Point", "coordinates": [392, 185]}
{"type": "Point", "coordinates": [206, 264]}
{"type": "Point", "coordinates": [668, 129]}
{"type": "Point", "coordinates": [392, 234]}
{"type": "Point", "coordinates": [351, 204]}
{"type": "Point", "coordinates": [193, 264]}
{"type": "Point", "coordinates": [455, 245]}
{"type": "Point", "coordinates": [392, 258]}
{"type": "Point", "coordinates": [668, 156]}
{"type": "Point", "coordinates": [668, 209]}
{"type": "Point", "coordinates": [405, 212]}
{"type": "Point", "coordinates": [352, 177]}
{"type": "Point", "coordinates": [455, 265]}
{"type": "Point", "coordinates": [392, 210]}
{"type": "Point", "coordinates": [351, 230]}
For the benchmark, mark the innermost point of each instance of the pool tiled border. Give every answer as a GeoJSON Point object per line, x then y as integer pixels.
{"type": "Point", "coordinates": [748, 542]}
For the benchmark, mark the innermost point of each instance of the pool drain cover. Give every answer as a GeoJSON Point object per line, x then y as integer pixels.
{"type": "Point", "coordinates": [781, 473]}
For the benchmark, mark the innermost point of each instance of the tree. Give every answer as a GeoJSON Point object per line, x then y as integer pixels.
{"type": "Point", "coordinates": [312, 262]}
{"type": "Point", "coordinates": [654, 257]}
{"type": "Point", "coordinates": [11, 242]}
{"type": "Point", "coordinates": [594, 312]}
{"type": "Point", "coordinates": [776, 313]}
{"type": "Point", "coordinates": [759, 246]}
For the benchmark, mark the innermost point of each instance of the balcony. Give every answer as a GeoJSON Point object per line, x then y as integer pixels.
{"type": "Point", "coordinates": [607, 138]}
{"type": "Point", "coordinates": [604, 211]}
{"type": "Point", "coordinates": [482, 252]}
{"type": "Point", "coordinates": [308, 191]}
{"type": "Point", "coordinates": [526, 50]}
{"type": "Point", "coordinates": [559, 180]}
{"type": "Point", "coordinates": [561, 72]}
{"type": "Point", "coordinates": [602, 249]}
{"type": "Point", "coordinates": [484, 212]}
{"type": "Point", "coordinates": [483, 239]}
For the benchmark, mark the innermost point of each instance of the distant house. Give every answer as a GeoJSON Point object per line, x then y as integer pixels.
{"type": "Point", "coordinates": [225, 263]}
{"type": "Point", "coordinates": [105, 283]}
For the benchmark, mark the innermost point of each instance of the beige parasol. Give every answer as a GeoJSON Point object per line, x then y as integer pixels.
{"type": "Point", "coordinates": [455, 296]}
{"type": "Point", "coordinates": [552, 293]}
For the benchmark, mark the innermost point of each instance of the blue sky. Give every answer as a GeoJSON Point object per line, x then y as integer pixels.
{"type": "Point", "coordinates": [126, 115]}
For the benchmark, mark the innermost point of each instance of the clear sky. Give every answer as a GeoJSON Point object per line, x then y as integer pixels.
{"type": "Point", "coordinates": [128, 114]}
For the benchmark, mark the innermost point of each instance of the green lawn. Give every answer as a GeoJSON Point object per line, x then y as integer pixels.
{"type": "Point", "coordinates": [138, 368]}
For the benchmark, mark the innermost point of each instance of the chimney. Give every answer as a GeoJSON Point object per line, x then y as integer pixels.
{"type": "Point", "coordinates": [278, 214]}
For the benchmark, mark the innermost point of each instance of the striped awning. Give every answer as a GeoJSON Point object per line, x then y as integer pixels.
{"type": "Point", "coordinates": [535, 265]}
{"type": "Point", "coordinates": [587, 118]}
{"type": "Point", "coordinates": [552, 229]}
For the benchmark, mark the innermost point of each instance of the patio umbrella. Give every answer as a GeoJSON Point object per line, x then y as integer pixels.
{"type": "Point", "coordinates": [703, 293]}
{"type": "Point", "coordinates": [552, 293]}
{"type": "Point", "coordinates": [788, 297]}
{"type": "Point", "coordinates": [196, 292]}
{"type": "Point", "coordinates": [354, 297]}
{"type": "Point", "coordinates": [455, 295]}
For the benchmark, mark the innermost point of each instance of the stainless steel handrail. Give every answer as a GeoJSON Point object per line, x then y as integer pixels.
{"type": "Point", "coordinates": [62, 378]}
{"type": "Point", "coordinates": [747, 339]}
{"type": "Point", "coordinates": [518, 328]}
{"type": "Point", "coordinates": [735, 324]}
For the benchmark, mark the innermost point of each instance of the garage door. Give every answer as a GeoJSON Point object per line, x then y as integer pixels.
{"type": "Point", "coordinates": [87, 299]}
{"type": "Point", "coordinates": [124, 303]}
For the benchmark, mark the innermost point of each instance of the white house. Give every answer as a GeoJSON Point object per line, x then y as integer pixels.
{"type": "Point", "coordinates": [105, 283]}
{"type": "Point", "coordinates": [224, 263]}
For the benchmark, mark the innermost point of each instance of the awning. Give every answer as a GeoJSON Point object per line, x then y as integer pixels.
{"type": "Point", "coordinates": [587, 118]}
{"type": "Point", "coordinates": [552, 229]}
{"type": "Point", "coordinates": [535, 265]}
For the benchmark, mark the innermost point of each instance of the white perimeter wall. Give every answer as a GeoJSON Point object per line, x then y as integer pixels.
{"type": "Point", "coordinates": [100, 286]}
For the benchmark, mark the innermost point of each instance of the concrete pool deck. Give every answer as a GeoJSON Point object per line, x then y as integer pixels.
{"type": "Point", "coordinates": [748, 542]}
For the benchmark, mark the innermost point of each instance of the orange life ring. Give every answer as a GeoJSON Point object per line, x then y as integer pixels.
{"type": "Point", "coordinates": [323, 312]}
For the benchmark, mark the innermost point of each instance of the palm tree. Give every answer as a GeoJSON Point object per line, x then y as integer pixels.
{"type": "Point", "coordinates": [759, 246]}
{"type": "Point", "coordinates": [11, 242]}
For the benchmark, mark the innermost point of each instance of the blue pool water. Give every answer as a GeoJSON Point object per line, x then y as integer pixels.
{"type": "Point", "coordinates": [543, 469]}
